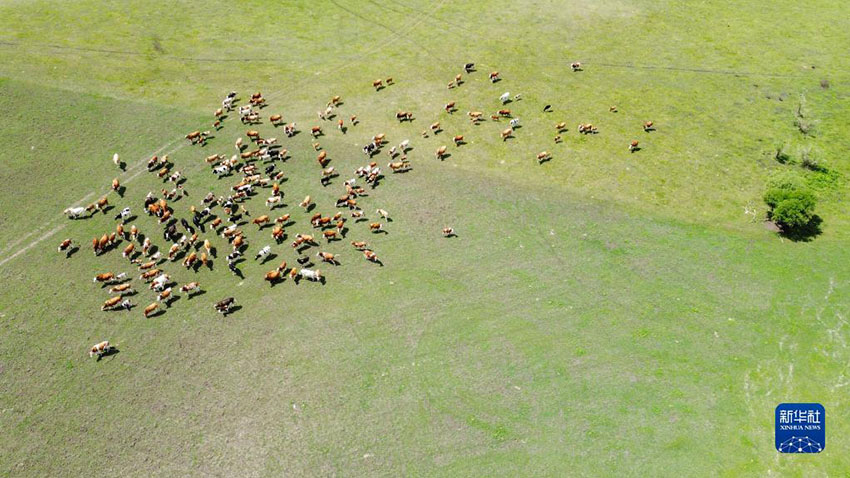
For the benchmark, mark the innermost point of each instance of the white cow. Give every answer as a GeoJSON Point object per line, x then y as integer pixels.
{"type": "Point", "coordinates": [272, 201]}
{"type": "Point", "coordinates": [159, 283]}
{"type": "Point", "coordinates": [311, 274]}
{"type": "Point", "coordinates": [403, 145]}
{"type": "Point", "coordinates": [263, 252]}
{"type": "Point", "coordinates": [514, 122]}
{"type": "Point", "coordinates": [505, 97]}
{"type": "Point", "coordinates": [75, 212]}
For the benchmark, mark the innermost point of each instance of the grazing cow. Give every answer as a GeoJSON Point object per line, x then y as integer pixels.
{"type": "Point", "coordinates": [399, 166]}
{"type": "Point", "coordinates": [648, 126]}
{"type": "Point", "coordinates": [253, 135]}
{"type": "Point", "coordinates": [547, 108]}
{"type": "Point", "coordinates": [542, 156]}
{"type": "Point", "coordinates": [449, 107]}
{"type": "Point", "coordinates": [378, 84]}
{"type": "Point", "coordinates": [150, 309]}
{"type": "Point", "coordinates": [190, 260]}
{"type": "Point", "coordinates": [74, 212]}
{"type": "Point", "coordinates": [376, 227]}
{"type": "Point", "coordinates": [224, 306]}
{"type": "Point", "coordinates": [506, 96]}
{"type": "Point", "coordinates": [389, 81]}
{"type": "Point", "coordinates": [329, 235]}
{"type": "Point", "coordinates": [105, 277]}
{"type": "Point", "coordinates": [147, 265]}
{"type": "Point", "coordinates": [160, 281]}
{"type": "Point", "coordinates": [633, 146]}
{"type": "Point", "coordinates": [102, 204]}
{"type": "Point", "coordinates": [327, 257]}
{"type": "Point", "coordinates": [474, 115]}
{"type": "Point", "coordinates": [129, 249]}
{"type": "Point", "coordinates": [458, 139]}
{"type": "Point", "coordinates": [164, 296]}
{"type": "Point", "coordinates": [277, 234]}
{"type": "Point", "coordinates": [316, 131]}
{"type": "Point", "coordinates": [122, 289]}
{"type": "Point", "coordinates": [587, 128]}
{"type": "Point", "coordinates": [370, 256]}
{"type": "Point", "coordinates": [334, 101]}
{"type": "Point", "coordinates": [306, 202]}
{"type": "Point", "coordinates": [274, 276]}
{"type": "Point", "coordinates": [494, 77]}
{"type": "Point", "coordinates": [383, 213]}
{"type": "Point", "coordinates": [123, 215]}
{"type": "Point", "coordinates": [359, 245]}
{"type": "Point", "coordinates": [612, 109]}
{"type": "Point", "coordinates": [191, 288]}
{"type": "Point", "coordinates": [441, 152]}
{"type": "Point", "coordinates": [275, 120]}
{"type": "Point", "coordinates": [263, 252]}
{"type": "Point", "coordinates": [262, 220]}
{"type": "Point", "coordinates": [469, 67]}
{"type": "Point", "coordinates": [505, 113]}
{"type": "Point", "coordinates": [238, 241]}
{"type": "Point", "coordinates": [514, 122]}
{"type": "Point", "coordinates": [66, 246]}
{"type": "Point", "coordinates": [448, 232]}
{"type": "Point", "coordinates": [148, 275]}
{"type": "Point", "coordinates": [576, 66]}
{"type": "Point", "coordinates": [562, 126]}
{"type": "Point", "coordinates": [111, 303]}
{"type": "Point", "coordinates": [116, 184]}
{"type": "Point", "coordinates": [116, 160]}
{"type": "Point", "coordinates": [99, 349]}
{"type": "Point", "coordinates": [282, 219]}
{"type": "Point", "coordinates": [311, 275]}
{"type": "Point", "coordinates": [193, 137]}
{"type": "Point", "coordinates": [507, 133]}
{"type": "Point", "coordinates": [435, 127]}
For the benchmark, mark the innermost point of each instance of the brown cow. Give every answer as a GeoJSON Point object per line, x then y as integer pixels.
{"type": "Point", "coordinates": [65, 245]}
{"type": "Point", "coordinates": [370, 256]}
{"type": "Point", "coordinates": [150, 309]}
{"type": "Point", "coordinates": [275, 120]}
{"type": "Point", "coordinates": [378, 84]}
{"type": "Point", "coordinates": [561, 127]}
{"type": "Point", "coordinates": [441, 152]}
{"type": "Point", "coordinates": [505, 113]}
{"type": "Point", "coordinates": [576, 66]}
{"type": "Point", "coordinates": [458, 139]}
{"type": "Point", "coordinates": [448, 231]}
{"type": "Point", "coordinates": [494, 77]}
{"type": "Point", "coordinates": [99, 349]}
{"type": "Point", "coordinates": [507, 133]}
{"type": "Point", "coordinates": [111, 302]}
{"type": "Point", "coordinates": [306, 202]}
{"type": "Point", "coordinates": [450, 107]}
{"type": "Point", "coordinates": [329, 235]}
{"type": "Point", "coordinates": [376, 227]}
{"type": "Point", "coordinates": [359, 245]}
{"type": "Point", "coordinates": [106, 276]}
{"type": "Point", "coordinates": [542, 156]}
{"type": "Point", "coordinates": [633, 146]}
{"type": "Point", "coordinates": [191, 288]}
{"type": "Point", "coordinates": [262, 220]}
{"type": "Point", "coordinates": [316, 131]}
{"type": "Point", "coordinates": [435, 127]}
{"type": "Point", "coordinates": [129, 249]}
{"type": "Point", "coordinates": [648, 126]}
{"type": "Point", "coordinates": [327, 257]}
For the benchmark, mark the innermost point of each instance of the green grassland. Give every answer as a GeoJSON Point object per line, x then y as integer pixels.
{"type": "Point", "coordinates": [602, 314]}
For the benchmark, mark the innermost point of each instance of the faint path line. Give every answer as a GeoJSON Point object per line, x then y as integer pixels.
{"type": "Point", "coordinates": [33, 244]}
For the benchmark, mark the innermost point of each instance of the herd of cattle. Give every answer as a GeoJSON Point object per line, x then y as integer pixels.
{"type": "Point", "coordinates": [256, 162]}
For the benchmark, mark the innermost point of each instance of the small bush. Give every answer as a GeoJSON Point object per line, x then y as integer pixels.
{"type": "Point", "coordinates": [791, 204]}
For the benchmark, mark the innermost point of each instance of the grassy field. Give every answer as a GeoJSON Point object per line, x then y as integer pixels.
{"type": "Point", "coordinates": [601, 314]}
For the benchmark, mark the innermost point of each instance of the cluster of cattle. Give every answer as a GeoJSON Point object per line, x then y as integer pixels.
{"type": "Point", "coordinates": [256, 161]}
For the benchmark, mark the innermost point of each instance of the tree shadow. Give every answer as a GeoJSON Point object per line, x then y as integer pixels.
{"type": "Point", "coordinates": [804, 233]}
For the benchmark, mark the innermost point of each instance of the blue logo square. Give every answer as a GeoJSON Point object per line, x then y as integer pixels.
{"type": "Point", "coordinates": [800, 428]}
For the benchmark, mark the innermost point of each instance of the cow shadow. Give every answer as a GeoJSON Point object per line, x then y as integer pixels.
{"type": "Point", "coordinates": [446, 156]}
{"type": "Point", "coordinates": [233, 309]}
{"type": "Point", "coordinates": [269, 257]}
{"type": "Point", "coordinates": [157, 313]}
{"type": "Point", "coordinates": [196, 294]}
{"type": "Point", "coordinates": [108, 352]}
{"type": "Point", "coordinates": [311, 207]}
{"type": "Point", "coordinates": [120, 191]}
{"type": "Point", "coordinates": [73, 250]}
